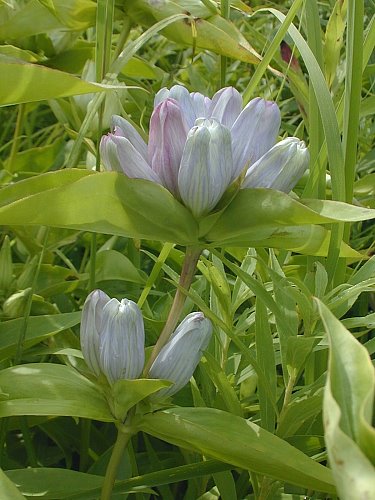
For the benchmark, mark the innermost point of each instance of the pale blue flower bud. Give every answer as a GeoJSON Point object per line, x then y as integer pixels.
{"type": "Point", "coordinates": [112, 337]}
{"type": "Point", "coordinates": [168, 132]}
{"type": "Point", "coordinates": [206, 166]}
{"type": "Point", "coordinates": [280, 168]}
{"type": "Point", "coordinates": [178, 359]}
{"type": "Point", "coordinates": [254, 133]}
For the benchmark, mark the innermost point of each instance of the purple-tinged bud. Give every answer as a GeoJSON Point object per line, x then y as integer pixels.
{"type": "Point", "coordinates": [206, 166]}
{"type": "Point", "coordinates": [112, 337]}
{"type": "Point", "coordinates": [280, 168]}
{"type": "Point", "coordinates": [254, 133]}
{"type": "Point", "coordinates": [168, 133]}
{"type": "Point", "coordinates": [180, 356]}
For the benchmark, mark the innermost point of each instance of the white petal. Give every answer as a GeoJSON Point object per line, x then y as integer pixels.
{"type": "Point", "coordinates": [254, 133]}
{"type": "Point", "coordinates": [226, 105]}
{"type": "Point", "coordinates": [132, 162]}
{"type": "Point", "coordinates": [125, 129]}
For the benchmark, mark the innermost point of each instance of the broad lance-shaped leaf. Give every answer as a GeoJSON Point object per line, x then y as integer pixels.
{"type": "Point", "coordinates": [237, 441]}
{"type": "Point", "coordinates": [213, 32]}
{"type": "Point", "coordinates": [50, 389]}
{"type": "Point", "coordinates": [141, 209]}
{"type": "Point", "coordinates": [308, 240]}
{"type": "Point", "coordinates": [36, 83]}
{"type": "Point", "coordinates": [39, 328]}
{"type": "Point", "coordinates": [122, 206]}
{"type": "Point", "coordinates": [262, 208]}
{"type": "Point", "coordinates": [348, 411]}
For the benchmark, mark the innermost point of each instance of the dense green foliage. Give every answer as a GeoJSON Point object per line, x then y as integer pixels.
{"type": "Point", "coordinates": [281, 404]}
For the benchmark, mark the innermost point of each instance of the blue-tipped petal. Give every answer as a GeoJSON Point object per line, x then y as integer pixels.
{"type": "Point", "coordinates": [123, 128]}
{"type": "Point", "coordinates": [280, 168]}
{"type": "Point", "coordinates": [121, 340]}
{"type": "Point", "coordinates": [131, 162]}
{"type": "Point", "coordinates": [226, 105]}
{"type": "Point", "coordinates": [91, 328]}
{"type": "Point", "coordinates": [180, 356]}
{"type": "Point", "coordinates": [168, 134]}
{"type": "Point", "coordinates": [206, 166]}
{"type": "Point", "coordinates": [254, 133]}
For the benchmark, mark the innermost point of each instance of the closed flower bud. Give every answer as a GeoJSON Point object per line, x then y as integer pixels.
{"type": "Point", "coordinates": [112, 337]}
{"type": "Point", "coordinates": [280, 168]}
{"type": "Point", "coordinates": [206, 166]}
{"type": "Point", "coordinates": [178, 359]}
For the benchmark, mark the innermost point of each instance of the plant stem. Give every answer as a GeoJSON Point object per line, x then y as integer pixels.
{"type": "Point", "coordinates": [186, 277]}
{"type": "Point", "coordinates": [123, 437]}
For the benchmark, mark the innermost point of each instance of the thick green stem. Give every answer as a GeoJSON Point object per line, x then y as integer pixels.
{"type": "Point", "coordinates": [186, 278]}
{"type": "Point", "coordinates": [123, 438]}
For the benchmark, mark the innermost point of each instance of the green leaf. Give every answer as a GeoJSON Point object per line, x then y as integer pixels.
{"type": "Point", "coordinates": [213, 32]}
{"type": "Point", "coordinates": [112, 265]}
{"type": "Point", "coordinates": [8, 490]}
{"type": "Point", "coordinates": [36, 160]}
{"type": "Point", "coordinates": [254, 210]}
{"type": "Point", "coordinates": [34, 18]}
{"type": "Point", "coordinates": [240, 442]}
{"type": "Point", "coordinates": [37, 83]}
{"type": "Point", "coordinates": [127, 393]}
{"type": "Point", "coordinates": [122, 206]}
{"type": "Point", "coordinates": [38, 329]}
{"type": "Point", "coordinates": [348, 410]}
{"type": "Point", "coordinates": [142, 209]}
{"type": "Point", "coordinates": [50, 389]}
{"type": "Point", "coordinates": [53, 483]}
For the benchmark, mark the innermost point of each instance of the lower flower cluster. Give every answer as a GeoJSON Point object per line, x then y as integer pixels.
{"type": "Point", "coordinates": [113, 343]}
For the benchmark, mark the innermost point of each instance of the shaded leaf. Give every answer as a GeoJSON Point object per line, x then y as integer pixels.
{"type": "Point", "coordinates": [237, 441]}
{"type": "Point", "coordinates": [39, 328]}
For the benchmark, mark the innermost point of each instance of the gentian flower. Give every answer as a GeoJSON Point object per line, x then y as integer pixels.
{"type": "Point", "coordinates": [112, 337]}
{"type": "Point", "coordinates": [113, 343]}
{"type": "Point", "coordinates": [198, 146]}
{"type": "Point", "coordinates": [179, 358]}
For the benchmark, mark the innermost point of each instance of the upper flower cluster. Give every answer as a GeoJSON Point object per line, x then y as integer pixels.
{"type": "Point", "coordinates": [198, 146]}
{"type": "Point", "coordinates": [113, 338]}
